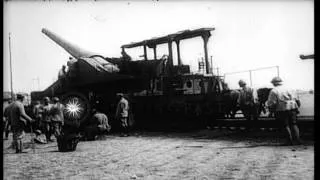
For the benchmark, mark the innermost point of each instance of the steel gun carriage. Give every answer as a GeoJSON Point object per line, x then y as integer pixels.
{"type": "Point", "coordinates": [160, 93]}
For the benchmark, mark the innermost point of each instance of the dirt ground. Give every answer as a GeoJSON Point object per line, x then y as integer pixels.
{"type": "Point", "coordinates": [199, 155]}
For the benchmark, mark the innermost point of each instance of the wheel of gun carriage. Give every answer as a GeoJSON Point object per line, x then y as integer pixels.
{"type": "Point", "coordinates": [77, 110]}
{"type": "Point", "coordinates": [77, 107]}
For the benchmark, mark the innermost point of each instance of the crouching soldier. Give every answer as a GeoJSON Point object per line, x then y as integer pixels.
{"type": "Point", "coordinates": [98, 125]}
{"type": "Point", "coordinates": [57, 119]}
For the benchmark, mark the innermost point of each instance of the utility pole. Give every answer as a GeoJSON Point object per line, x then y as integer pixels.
{"type": "Point", "coordinates": [38, 81]}
{"type": "Point", "coordinates": [11, 86]}
{"type": "Point", "coordinates": [211, 65]}
{"type": "Point", "coordinates": [250, 73]}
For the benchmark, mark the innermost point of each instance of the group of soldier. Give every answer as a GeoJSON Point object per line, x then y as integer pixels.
{"type": "Point", "coordinates": [48, 119]}
{"type": "Point", "coordinates": [283, 103]}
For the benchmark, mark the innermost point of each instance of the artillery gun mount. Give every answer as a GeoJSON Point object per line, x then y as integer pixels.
{"type": "Point", "coordinates": [160, 93]}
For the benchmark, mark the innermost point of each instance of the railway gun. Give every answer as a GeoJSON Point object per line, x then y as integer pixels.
{"type": "Point", "coordinates": [161, 95]}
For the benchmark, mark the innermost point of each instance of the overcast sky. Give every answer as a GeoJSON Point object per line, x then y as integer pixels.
{"type": "Point", "coordinates": [247, 35]}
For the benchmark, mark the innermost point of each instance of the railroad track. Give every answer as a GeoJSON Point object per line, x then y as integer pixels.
{"type": "Point", "coordinates": [262, 122]}
{"type": "Point", "coordinates": [238, 123]}
{"type": "Point", "coordinates": [300, 118]}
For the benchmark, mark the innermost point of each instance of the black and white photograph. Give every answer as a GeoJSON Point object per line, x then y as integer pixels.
{"type": "Point", "coordinates": [158, 89]}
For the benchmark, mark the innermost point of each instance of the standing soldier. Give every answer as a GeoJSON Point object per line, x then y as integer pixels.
{"type": "Point", "coordinates": [46, 118]}
{"type": "Point", "coordinates": [62, 72]}
{"type": "Point", "coordinates": [37, 113]}
{"type": "Point", "coordinates": [122, 114]}
{"type": "Point", "coordinates": [125, 56]}
{"type": "Point", "coordinates": [19, 120]}
{"type": "Point", "coordinates": [248, 100]}
{"type": "Point", "coordinates": [286, 107]}
{"type": "Point", "coordinates": [57, 116]}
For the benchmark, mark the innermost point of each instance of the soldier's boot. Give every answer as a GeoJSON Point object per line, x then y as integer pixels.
{"type": "Point", "coordinates": [19, 146]}
{"type": "Point", "coordinates": [16, 145]}
{"type": "Point", "coordinates": [48, 137]}
{"type": "Point", "coordinates": [296, 133]}
{"type": "Point", "coordinates": [5, 130]}
{"type": "Point", "coordinates": [127, 131]}
{"type": "Point", "coordinates": [7, 134]}
{"type": "Point", "coordinates": [13, 145]}
{"type": "Point", "coordinates": [289, 136]}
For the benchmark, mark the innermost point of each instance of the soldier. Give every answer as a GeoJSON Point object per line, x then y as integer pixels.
{"type": "Point", "coordinates": [125, 56]}
{"type": "Point", "coordinates": [57, 120]}
{"type": "Point", "coordinates": [248, 101]}
{"type": "Point", "coordinates": [72, 67]}
{"type": "Point", "coordinates": [122, 114]}
{"type": "Point", "coordinates": [37, 113]}
{"type": "Point", "coordinates": [286, 107]}
{"type": "Point", "coordinates": [7, 121]}
{"type": "Point", "coordinates": [62, 72]}
{"type": "Point", "coordinates": [18, 119]}
{"type": "Point", "coordinates": [46, 119]}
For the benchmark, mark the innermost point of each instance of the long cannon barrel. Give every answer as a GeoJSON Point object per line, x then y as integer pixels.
{"type": "Point", "coordinates": [72, 49]}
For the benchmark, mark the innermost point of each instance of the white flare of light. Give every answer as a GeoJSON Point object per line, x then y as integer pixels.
{"type": "Point", "coordinates": [74, 108]}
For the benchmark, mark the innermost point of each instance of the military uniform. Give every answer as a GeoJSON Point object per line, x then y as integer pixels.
{"type": "Point", "coordinates": [37, 113]}
{"type": "Point", "coordinates": [46, 121]}
{"type": "Point", "coordinates": [285, 105]}
{"type": "Point", "coordinates": [62, 72]}
{"type": "Point", "coordinates": [72, 67]}
{"type": "Point", "coordinates": [98, 125]}
{"type": "Point", "coordinates": [122, 114]}
{"type": "Point", "coordinates": [248, 102]}
{"type": "Point", "coordinates": [57, 119]}
{"type": "Point", "coordinates": [7, 121]}
{"type": "Point", "coordinates": [18, 119]}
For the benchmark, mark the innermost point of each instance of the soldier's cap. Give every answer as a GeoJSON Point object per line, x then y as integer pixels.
{"type": "Point", "coordinates": [20, 96]}
{"type": "Point", "coordinates": [120, 94]}
{"type": "Point", "coordinates": [55, 99]}
{"type": "Point", "coordinates": [46, 98]}
{"type": "Point", "coordinates": [242, 82]}
{"type": "Point", "coordinates": [276, 80]}
{"type": "Point", "coordinates": [37, 132]}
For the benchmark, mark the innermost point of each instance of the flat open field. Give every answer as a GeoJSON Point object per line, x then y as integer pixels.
{"type": "Point", "coordinates": [205, 154]}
